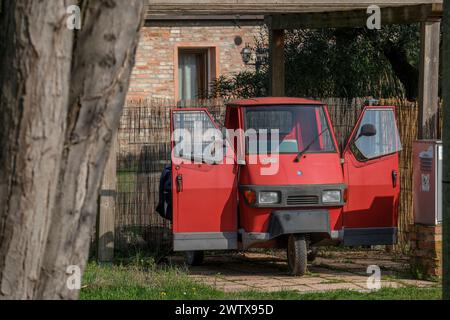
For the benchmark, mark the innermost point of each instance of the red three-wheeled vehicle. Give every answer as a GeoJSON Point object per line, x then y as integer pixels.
{"type": "Point", "coordinates": [292, 189]}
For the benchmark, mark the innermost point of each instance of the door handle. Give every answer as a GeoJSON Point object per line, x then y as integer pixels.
{"type": "Point", "coordinates": [179, 182]}
{"type": "Point", "coordinates": [394, 178]}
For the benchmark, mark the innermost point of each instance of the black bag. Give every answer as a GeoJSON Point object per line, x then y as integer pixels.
{"type": "Point", "coordinates": [164, 207]}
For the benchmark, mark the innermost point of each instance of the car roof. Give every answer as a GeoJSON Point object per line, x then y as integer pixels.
{"type": "Point", "coordinates": [273, 101]}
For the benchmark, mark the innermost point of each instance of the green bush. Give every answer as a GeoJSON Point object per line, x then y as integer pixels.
{"type": "Point", "coordinates": [346, 62]}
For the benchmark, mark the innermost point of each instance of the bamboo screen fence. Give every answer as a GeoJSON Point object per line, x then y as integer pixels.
{"type": "Point", "coordinates": [144, 151]}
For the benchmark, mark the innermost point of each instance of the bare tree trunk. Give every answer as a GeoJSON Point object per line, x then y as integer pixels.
{"type": "Point", "coordinates": [103, 60]}
{"type": "Point", "coordinates": [36, 51]}
{"type": "Point", "coordinates": [56, 141]}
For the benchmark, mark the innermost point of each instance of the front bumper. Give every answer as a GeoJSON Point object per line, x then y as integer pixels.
{"type": "Point", "coordinates": [285, 222]}
{"type": "Point", "coordinates": [299, 222]}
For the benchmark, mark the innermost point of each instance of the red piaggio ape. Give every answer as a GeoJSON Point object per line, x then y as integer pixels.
{"type": "Point", "coordinates": [319, 195]}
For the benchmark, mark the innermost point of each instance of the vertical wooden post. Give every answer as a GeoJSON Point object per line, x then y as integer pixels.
{"type": "Point", "coordinates": [277, 67]}
{"type": "Point", "coordinates": [106, 223]}
{"type": "Point", "coordinates": [446, 159]}
{"type": "Point", "coordinates": [429, 79]}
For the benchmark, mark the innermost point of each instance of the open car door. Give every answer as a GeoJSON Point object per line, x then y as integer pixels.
{"type": "Point", "coordinates": [204, 184]}
{"type": "Point", "coordinates": [371, 172]}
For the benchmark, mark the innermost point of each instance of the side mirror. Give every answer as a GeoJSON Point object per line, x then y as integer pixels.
{"type": "Point", "coordinates": [367, 130]}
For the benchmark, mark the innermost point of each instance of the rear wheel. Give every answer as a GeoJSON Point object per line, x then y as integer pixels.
{"type": "Point", "coordinates": [297, 254]}
{"type": "Point", "coordinates": [194, 258]}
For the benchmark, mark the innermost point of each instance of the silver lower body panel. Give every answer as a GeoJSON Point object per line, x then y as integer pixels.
{"type": "Point", "coordinates": [200, 241]}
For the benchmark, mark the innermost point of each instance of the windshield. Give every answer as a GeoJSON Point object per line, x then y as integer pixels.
{"type": "Point", "coordinates": [299, 127]}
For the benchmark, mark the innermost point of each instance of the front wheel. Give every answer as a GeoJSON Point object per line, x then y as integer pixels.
{"type": "Point", "coordinates": [194, 258]}
{"type": "Point", "coordinates": [297, 254]}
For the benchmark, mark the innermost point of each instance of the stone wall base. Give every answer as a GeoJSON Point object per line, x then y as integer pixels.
{"type": "Point", "coordinates": [426, 249]}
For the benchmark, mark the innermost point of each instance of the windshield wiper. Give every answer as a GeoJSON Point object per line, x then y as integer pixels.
{"type": "Point", "coordinates": [301, 153]}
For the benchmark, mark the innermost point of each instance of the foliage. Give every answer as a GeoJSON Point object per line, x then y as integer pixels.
{"type": "Point", "coordinates": [339, 63]}
{"type": "Point", "coordinates": [242, 85]}
{"type": "Point", "coordinates": [347, 62]}
{"type": "Point", "coordinates": [143, 280]}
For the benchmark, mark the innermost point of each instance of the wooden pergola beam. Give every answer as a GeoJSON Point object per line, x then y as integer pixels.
{"type": "Point", "coordinates": [277, 63]}
{"type": "Point", "coordinates": [354, 18]}
{"type": "Point", "coordinates": [199, 20]}
{"type": "Point", "coordinates": [167, 17]}
{"type": "Point", "coordinates": [267, 7]}
{"type": "Point", "coordinates": [428, 15]}
{"type": "Point", "coordinates": [430, 36]}
{"type": "Point", "coordinates": [296, 14]}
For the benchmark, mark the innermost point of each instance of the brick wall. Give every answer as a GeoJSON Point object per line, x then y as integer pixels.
{"type": "Point", "coordinates": [426, 249]}
{"type": "Point", "coordinates": [153, 75]}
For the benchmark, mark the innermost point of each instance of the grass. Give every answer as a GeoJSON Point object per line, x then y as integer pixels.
{"type": "Point", "coordinates": [143, 280]}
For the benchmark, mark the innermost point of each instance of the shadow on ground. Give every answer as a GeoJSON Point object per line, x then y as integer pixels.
{"type": "Point", "coordinates": [331, 271]}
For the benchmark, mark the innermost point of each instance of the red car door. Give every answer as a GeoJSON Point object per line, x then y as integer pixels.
{"type": "Point", "coordinates": [204, 189]}
{"type": "Point", "coordinates": [371, 172]}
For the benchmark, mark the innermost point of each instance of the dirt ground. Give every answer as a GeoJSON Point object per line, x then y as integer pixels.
{"type": "Point", "coordinates": [332, 270]}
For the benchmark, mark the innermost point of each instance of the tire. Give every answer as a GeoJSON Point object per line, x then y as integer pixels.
{"type": "Point", "coordinates": [312, 254]}
{"type": "Point", "coordinates": [194, 258]}
{"type": "Point", "coordinates": [297, 254]}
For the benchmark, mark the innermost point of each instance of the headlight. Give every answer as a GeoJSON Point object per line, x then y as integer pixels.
{"type": "Point", "coordinates": [331, 196]}
{"type": "Point", "coordinates": [269, 198]}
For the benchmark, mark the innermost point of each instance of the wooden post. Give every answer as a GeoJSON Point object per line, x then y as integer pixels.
{"type": "Point", "coordinates": [106, 223]}
{"type": "Point", "coordinates": [429, 79]}
{"type": "Point", "coordinates": [446, 159]}
{"type": "Point", "coordinates": [277, 69]}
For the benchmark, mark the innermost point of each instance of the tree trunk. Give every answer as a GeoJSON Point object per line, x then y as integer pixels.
{"type": "Point", "coordinates": [36, 50]}
{"type": "Point", "coordinates": [60, 105]}
{"type": "Point", "coordinates": [406, 73]}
